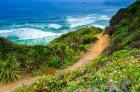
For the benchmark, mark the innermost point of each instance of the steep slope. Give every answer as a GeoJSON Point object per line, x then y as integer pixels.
{"type": "Point", "coordinates": [118, 70]}
{"type": "Point", "coordinates": [60, 53]}
{"type": "Point", "coordinates": [125, 28]}
{"type": "Point", "coordinates": [93, 53]}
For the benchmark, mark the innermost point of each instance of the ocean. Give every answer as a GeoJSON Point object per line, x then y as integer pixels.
{"type": "Point", "coordinates": [39, 22]}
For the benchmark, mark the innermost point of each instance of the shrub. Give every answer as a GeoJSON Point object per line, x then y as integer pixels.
{"type": "Point", "coordinates": [59, 53]}
{"type": "Point", "coordinates": [47, 84]}
{"type": "Point", "coordinates": [9, 71]}
{"type": "Point", "coordinates": [23, 89]}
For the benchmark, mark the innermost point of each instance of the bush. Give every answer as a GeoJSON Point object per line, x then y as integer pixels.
{"type": "Point", "coordinates": [9, 71]}
{"type": "Point", "coordinates": [23, 89]}
{"type": "Point", "coordinates": [60, 53]}
{"type": "Point", "coordinates": [47, 84]}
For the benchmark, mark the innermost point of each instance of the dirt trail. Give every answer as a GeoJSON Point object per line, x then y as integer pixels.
{"type": "Point", "coordinates": [10, 87]}
{"type": "Point", "coordinates": [93, 53]}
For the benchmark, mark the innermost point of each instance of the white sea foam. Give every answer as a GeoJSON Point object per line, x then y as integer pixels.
{"type": "Point", "coordinates": [75, 22]}
{"type": "Point", "coordinates": [100, 26]}
{"type": "Point", "coordinates": [4, 31]}
{"type": "Point", "coordinates": [39, 26]}
{"type": "Point", "coordinates": [105, 17]}
{"type": "Point", "coordinates": [55, 26]}
{"type": "Point", "coordinates": [36, 33]}
{"type": "Point", "coordinates": [27, 33]}
{"type": "Point", "coordinates": [87, 20]}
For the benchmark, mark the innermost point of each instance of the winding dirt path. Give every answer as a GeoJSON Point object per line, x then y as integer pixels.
{"type": "Point", "coordinates": [11, 86]}
{"type": "Point", "coordinates": [93, 53]}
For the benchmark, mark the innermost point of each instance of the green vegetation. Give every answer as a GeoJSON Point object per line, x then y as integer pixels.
{"type": "Point", "coordinates": [23, 89]}
{"type": "Point", "coordinates": [39, 59]}
{"type": "Point", "coordinates": [127, 30]}
{"type": "Point", "coordinates": [106, 74]}
{"type": "Point", "coordinates": [9, 71]}
{"type": "Point", "coordinates": [118, 70]}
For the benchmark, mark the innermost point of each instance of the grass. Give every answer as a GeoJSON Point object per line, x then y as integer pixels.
{"type": "Point", "coordinates": [58, 54]}
{"type": "Point", "coordinates": [118, 71]}
{"type": "Point", "coordinates": [9, 71]}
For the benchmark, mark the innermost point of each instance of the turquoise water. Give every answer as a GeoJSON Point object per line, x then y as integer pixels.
{"type": "Point", "coordinates": [40, 22]}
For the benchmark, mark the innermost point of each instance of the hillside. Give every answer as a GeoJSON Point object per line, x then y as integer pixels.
{"type": "Point", "coordinates": [93, 53]}
{"type": "Point", "coordinates": [117, 70]}
{"type": "Point", "coordinates": [125, 26]}
{"type": "Point", "coordinates": [21, 60]}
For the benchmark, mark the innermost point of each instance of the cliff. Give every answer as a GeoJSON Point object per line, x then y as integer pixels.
{"type": "Point", "coordinates": [125, 28]}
